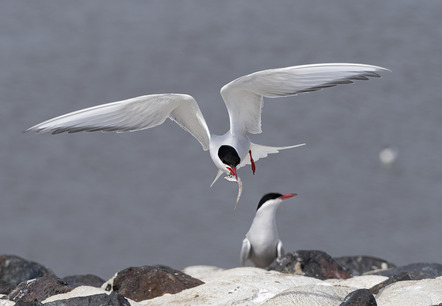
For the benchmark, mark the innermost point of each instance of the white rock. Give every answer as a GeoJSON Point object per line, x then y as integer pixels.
{"type": "Point", "coordinates": [6, 302]}
{"type": "Point", "coordinates": [359, 282]}
{"type": "Point", "coordinates": [79, 292]}
{"type": "Point", "coordinates": [110, 282]}
{"type": "Point", "coordinates": [76, 292]}
{"type": "Point", "coordinates": [413, 293]}
{"type": "Point", "coordinates": [201, 272]}
{"type": "Point", "coordinates": [309, 295]}
{"type": "Point", "coordinates": [245, 286]}
{"type": "Point", "coordinates": [253, 286]}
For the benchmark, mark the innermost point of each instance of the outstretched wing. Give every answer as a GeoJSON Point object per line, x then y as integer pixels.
{"type": "Point", "coordinates": [244, 96]}
{"type": "Point", "coordinates": [245, 251]}
{"type": "Point", "coordinates": [132, 115]}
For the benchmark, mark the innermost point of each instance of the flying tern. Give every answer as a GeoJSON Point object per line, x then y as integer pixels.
{"type": "Point", "coordinates": [243, 98]}
{"type": "Point", "coordinates": [262, 245]}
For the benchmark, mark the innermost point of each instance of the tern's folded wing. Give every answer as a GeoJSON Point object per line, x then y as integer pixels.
{"type": "Point", "coordinates": [245, 251]}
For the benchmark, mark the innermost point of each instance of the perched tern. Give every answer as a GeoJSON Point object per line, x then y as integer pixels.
{"type": "Point", "coordinates": [243, 98]}
{"type": "Point", "coordinates": [262, 245]}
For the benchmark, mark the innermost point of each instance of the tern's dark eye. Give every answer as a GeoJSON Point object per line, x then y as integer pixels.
{"type": "Point", "coordinates": [229, 156]}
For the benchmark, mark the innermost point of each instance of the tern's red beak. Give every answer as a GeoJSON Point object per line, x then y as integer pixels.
{"type": "Point", "coordinates": [288, 195]}
{"type": "Point", "coordinates": [232, 172]}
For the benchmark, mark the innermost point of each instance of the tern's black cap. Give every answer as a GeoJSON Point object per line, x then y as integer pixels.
{"type": "Point", "coordinates": [268, 196]}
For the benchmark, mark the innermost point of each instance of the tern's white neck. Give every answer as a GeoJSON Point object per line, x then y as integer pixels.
{"type": "Point", "coordinates": [264, 220]}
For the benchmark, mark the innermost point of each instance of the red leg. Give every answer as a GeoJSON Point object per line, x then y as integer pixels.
{"type": "Point", "coordinates": [253, 162]}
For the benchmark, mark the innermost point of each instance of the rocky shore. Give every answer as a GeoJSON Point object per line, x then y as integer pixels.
{"type": "Point", "coordinates": [299, 278]}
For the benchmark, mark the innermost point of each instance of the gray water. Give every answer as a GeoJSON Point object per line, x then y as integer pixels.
{"type": "Point", "coordinates": [101, 202]}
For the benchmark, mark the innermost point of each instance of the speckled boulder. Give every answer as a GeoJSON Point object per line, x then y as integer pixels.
{"type": "Point", "coordinates": [358, 265]}
{"type": "Point", "coordinates": [84, 280]}
{"type": "Point", "coordinates": [38, 289]}
{"type": "Point", "coordinates": [5, 287]}
{"type": "Point", "coordinates": [316, 264]}
{"type": "Point", "coordinates": [147, 282]}
{"type": "Point", "coordinates": [14, 269]}
{"type": "Point", "coordinates": [416, 270]}
{"type": "Point", "coordinates": [360, 297]}
{"type": "Point", "coordinates": [112, 299]}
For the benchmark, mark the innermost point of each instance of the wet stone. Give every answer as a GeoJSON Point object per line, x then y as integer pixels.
{"type": "Point", "coordinates": [84, 280]}
{"type": "Point", "coordinates": [28, 304]}
{"type": "Point", "coordinates": [402, 276]}
{"type": "Point", "coordinates": [417, 270]}
{"type": "Point", "coordinates": [112, 299]}
{"type": "Point", "coordinates": [316, 264]}
{"type": "Point", "coordinates": [147, 282]}
{"type": "Point", "coordinates": [14, 269]}
{"type": "Point", "coordinates": [358, 265]}
{"type": "Point", "coordinates": [38, 289]}
{"type": "Point", "coordinates": [360, 297]}
{"type": "Point", "coordinates": [5, 287]}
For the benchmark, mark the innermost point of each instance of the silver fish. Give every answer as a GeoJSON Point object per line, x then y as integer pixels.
{"type": "Point", "coordinates": [232, 178]}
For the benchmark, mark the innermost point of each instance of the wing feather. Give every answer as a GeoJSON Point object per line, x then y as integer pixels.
{"type": "Point", "coordinates": [244, 96]}
{"type": "Point", "coordinates": [245, 251]}
{"type": "Point", "coordinates": [280, 249]}
{"type": "Point", "coordinates": [132, 115]}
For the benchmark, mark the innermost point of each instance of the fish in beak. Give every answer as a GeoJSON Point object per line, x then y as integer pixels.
{"type": "Point", "coordinates": [232, 171]}
{"type": "Point", "coordinates": [236, 179]}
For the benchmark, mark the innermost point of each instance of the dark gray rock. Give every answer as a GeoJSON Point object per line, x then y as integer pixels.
{"type": "Point", "coordinates": [402, 276]}
{"type": "Point", "coordinates": [84, 280]}
{"type": "Point", "coordinates": [38, 289]}
{"type": "Point", "coordinates": [148, 282]}
{"type": "Point", "coordinates": [5, 287]}
{"type": "Point", "coordinates": [416, 271]}
{"type": "Point", "coordinates": [14, 269]}
{"type": "Point", "coordinates": [316, 264]}
{"type": "Point", "coordinates": [28, 304]}
{"type": "Point", "coordinates": [358, 265]}
{"type": "Point", "coordinates": [113, 299]}
{"type": "Point", "coordinates": [360, 297]}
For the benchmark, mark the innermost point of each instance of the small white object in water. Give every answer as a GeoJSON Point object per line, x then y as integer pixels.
{"type": "Point", "coordinates": [232, 178]}
{"type": "Point", "coordinates": [388, 156]}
